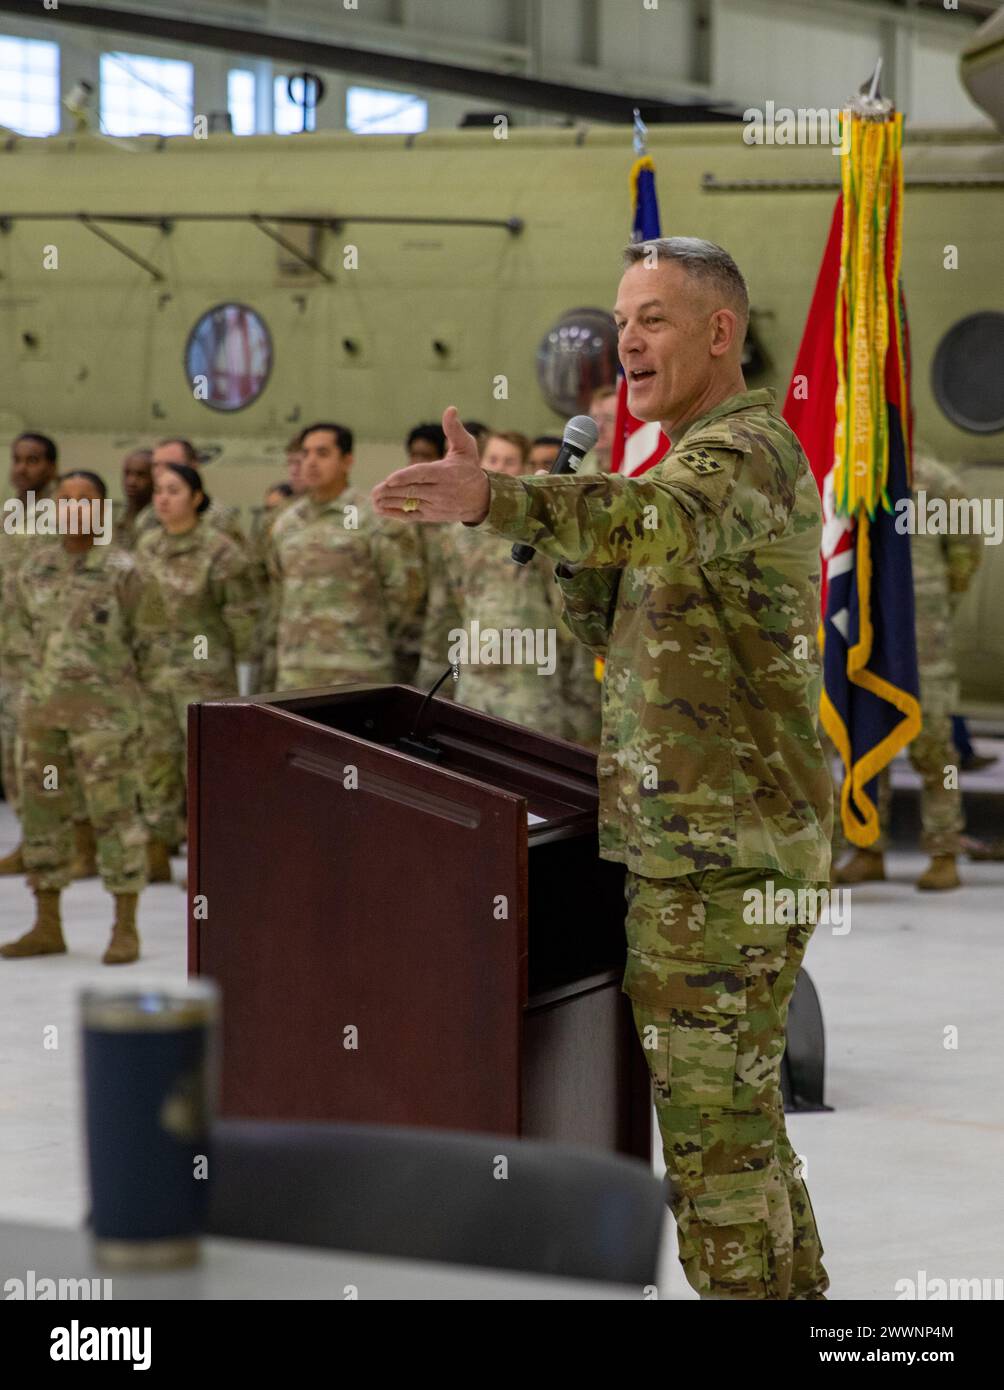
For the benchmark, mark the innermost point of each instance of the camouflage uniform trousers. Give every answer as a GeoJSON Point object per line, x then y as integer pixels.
{"type": "Point", "coordinates": [9, 771]}
{"type": "Point", "coordinates": [95, 765]}
{"type": "Point", "coordinates": [710, 995]}
{"type": "Point", "coordinates": [12, 754]}
{"type": "Point", "coordinates": [164, 717]}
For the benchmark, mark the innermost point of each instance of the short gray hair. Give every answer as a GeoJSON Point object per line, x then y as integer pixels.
{"type": "Point", "coordinates": [702, 260]}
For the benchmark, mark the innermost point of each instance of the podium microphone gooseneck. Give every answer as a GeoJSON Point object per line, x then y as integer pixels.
{"type": "Point", "coordinates": [579, 437]}
{"type": "Point", "coordinates": [421, 747]}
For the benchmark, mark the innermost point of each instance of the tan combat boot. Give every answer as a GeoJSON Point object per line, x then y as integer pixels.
{"type": "Point", "coordinates": [124, 945]}
{"type": "Point", "coordinates": [864, 866]}
{"type": "Point", "coordinates": [85, 864]}
{"type": "Point", "coordinates": [941, 873]}
{"type": "Point", "coordinates": [158, 863]}
{"type": "Point", "coordinates": [13, 863]}
{"type": "Point", "coordinates": [46, 936]}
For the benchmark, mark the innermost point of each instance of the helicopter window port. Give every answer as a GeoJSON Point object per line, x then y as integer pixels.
{"type": "Point", "coordinates": [576, 357]}
{"type": "Point", "coordinates": [228, 357]}
{"type": "Point", "coordinates": [966, 375]}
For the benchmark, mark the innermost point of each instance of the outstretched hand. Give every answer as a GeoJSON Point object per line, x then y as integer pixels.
{"type": "Point", "coordinates": [454, 488]}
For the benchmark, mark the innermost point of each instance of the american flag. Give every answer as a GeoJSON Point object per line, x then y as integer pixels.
{"type": "Point", "coordinates": [638, 444]}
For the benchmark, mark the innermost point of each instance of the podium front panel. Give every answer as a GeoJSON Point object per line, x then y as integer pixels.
{"type": "Point", "coordinates": [368, 933]}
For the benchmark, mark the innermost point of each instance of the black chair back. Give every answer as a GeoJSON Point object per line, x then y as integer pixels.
{"type": "Point", "coordinates": [422, 1194]}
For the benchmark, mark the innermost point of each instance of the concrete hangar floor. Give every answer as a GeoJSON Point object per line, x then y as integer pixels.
{"type": "Point", "coordinates": [900, 1172]}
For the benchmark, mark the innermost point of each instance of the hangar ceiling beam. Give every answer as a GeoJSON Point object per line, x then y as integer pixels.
{"type": "Point", "coordinates": [483, 84]}
{"type": "Point", "coordinates": [166, 220]}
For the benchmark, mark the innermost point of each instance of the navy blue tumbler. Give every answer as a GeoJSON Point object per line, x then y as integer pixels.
{"type": "Point", "coordinates": [149, 1091]}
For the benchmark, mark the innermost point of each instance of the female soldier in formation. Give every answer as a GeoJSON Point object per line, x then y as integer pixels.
{"type": "Point", "coordinates": [73, 608]}
{"type": "Point", "coordinates": [195, 621]}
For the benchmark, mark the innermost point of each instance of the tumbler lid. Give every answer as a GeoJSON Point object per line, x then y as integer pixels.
{"type": "Point", "coordinates": [154, 1010]}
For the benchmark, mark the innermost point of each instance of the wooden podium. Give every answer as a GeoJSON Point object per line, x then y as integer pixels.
{"type": "Point", "coordinates": [404, 941]}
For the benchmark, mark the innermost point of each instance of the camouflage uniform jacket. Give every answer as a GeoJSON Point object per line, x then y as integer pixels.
{"type": "Point", "coordinates": [700, 585]}
{"type": "Point", "coordinates": [195, 585]}
{"type": "Point", "coordinates": [486, 587]}
{"type": "Point", "coordinates": [943, 566]}
{"type": "Point", "coordinates": [76, 615]}
{"type": "Point", "coordinates": [352, 595]}
{"type": "Point", "coordinates": [441, 612]}
{"type": "Point", "coordinates": [259, 543]}
{"type": "Point", "coordinates": [15, 549]}
{"type": "Point", "coordinates": [126, 529]}
{"type": "Point", "coordinates": [225, 519]}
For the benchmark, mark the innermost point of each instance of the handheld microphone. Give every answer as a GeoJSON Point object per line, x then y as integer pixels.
{"type": "Point", "coordinates": [579, 437]}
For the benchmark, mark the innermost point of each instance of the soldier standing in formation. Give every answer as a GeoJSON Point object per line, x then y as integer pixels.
{"type": "Point", "coordinates": [73, 608]}
{"type": "Point", "coordinates": [259, 544]}
{"type": "Point", "coordinates": [349, 585]}
{"type": "Point", "coordinates": [33, 476]}
{"type": "Point", "coordinates": [137, 487]}
{"type": "Point", "coordinates": [276, 497]}
{"type": "Point", "coordinates": [488, 588]}
{"type": "Point", "coordinates": [225, 519]}
{"type": "Point", "coordinates": [603, 409]}
{"type": "Point", "coordinates": [196, 619]}
{"type": "Point", "coordinates": [943, 567]}
{"type": "Point", "coordinates": [695, 581]}
{"type": "Point", "coordinates": [543, 451]}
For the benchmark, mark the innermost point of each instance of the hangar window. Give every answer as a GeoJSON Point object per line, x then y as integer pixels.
{"type": "Point", "coordinates": [145, 96]}
{"type": "Point", "coordinates": [228, 357]}
{"type": "Point", "coordinates": [369, 111]}
{"type": "Point", "coordinates": [287, 110]}
{"type": "Point", "coordinates": [29, 85]}
{"type": "Point", "coordinates": [967, 373]}
{"type": "Point", "coordinates": [241, 101]}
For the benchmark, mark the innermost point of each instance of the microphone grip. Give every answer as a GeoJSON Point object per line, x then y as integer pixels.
{"type": "Point", "coordinates": [522, 553]}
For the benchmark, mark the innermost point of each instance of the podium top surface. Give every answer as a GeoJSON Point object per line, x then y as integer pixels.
{"type": "Point", "coordinates": [447, 740]}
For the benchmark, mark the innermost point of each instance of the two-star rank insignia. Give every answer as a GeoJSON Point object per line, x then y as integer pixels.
{"type": "Point", "coordinates": [701, 461]}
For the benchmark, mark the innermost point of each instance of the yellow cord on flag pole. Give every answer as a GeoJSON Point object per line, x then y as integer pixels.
{"type": "Point", "coordinates": [871, 172]}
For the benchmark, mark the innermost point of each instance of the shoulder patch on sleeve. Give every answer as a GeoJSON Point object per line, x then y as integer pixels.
{"type": "Point", "coordinates": [700, 460]}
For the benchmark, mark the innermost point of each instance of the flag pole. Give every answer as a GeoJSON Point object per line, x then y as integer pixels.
{"type": "Point", "coordinates": [640, 134]}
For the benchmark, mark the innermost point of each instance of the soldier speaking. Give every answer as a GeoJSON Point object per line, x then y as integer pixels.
{"type": "Point", "coordinates": [699, 584]}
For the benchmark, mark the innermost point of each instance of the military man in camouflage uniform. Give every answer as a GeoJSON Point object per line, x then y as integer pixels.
{"type": "Point", "coordinates": [73, 609]}
{"type": "Point", "coordinates": [487, 588]}
{"type": "Point", "coordinates": [351, 585]}
{"type": "Point", "coordinates": [33, 473]}
{"type": "Point", "coordinates": [137, 485]}
{"type": "Point", "coordinates": [700, 583]}
{"type": "Point", "coordinates": [259, 544]}
{"type": "Point", "coordinates": [943, 566]}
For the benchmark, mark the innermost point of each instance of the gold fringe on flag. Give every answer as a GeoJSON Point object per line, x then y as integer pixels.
{"type": "Point", "coordinates": [645, 162]}
{"type": "Point", "coordinates": [871, 169]}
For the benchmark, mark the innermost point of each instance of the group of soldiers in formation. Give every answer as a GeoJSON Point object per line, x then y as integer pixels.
{"type": "Point", "coordinates": [104, 646]}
